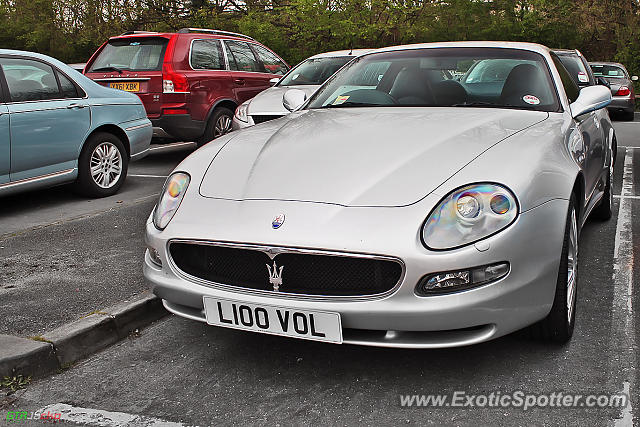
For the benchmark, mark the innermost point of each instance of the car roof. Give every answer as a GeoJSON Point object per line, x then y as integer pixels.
{"type": "Point", "coordinates": [566, 52]}
{"type": "Point", "coordinates": [617, 64]}
{"type": "Point", "coordinates": [194, 34]}
{"type": "Point", "coordinates": [533, 47]}
{"type": "Point", "coordinates": [341, 53]}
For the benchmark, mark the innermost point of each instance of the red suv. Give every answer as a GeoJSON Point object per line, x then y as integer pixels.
{"type": "Point", "coordinates": [191, 81]}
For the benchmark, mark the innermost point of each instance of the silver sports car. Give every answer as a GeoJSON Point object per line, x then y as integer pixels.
{"type": "Point", "coordinates": [400, 206]}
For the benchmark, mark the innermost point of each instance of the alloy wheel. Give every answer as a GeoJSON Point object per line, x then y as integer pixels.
{"type": "Point", "coordinates": [223, 126]}
{"type": "Point", "coordinates": [106, 165]}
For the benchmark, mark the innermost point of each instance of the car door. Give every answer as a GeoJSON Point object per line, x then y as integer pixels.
{"type": "Point", "coordinates": [249, 78]}
{"type": "Point", "coordinates": [49, 118]}
{"type": "Point", "coordinates": [591, 132]}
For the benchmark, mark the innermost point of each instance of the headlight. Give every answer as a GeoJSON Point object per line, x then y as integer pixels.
{"type": "Point", "coordinates": [469, 214]}
{"type": "Point", "coordinates": [170, 199]}
{"type": "Point", "coordinates": [241, 112]}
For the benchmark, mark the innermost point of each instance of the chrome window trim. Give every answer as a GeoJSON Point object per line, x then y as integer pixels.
{"type": "Point", "coordinates": [271, 252]}
{"type": "Point", "coordinates": [224, 56]}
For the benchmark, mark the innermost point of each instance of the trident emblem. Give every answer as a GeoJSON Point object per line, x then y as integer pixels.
{"type": "Point", "coordinates": [275, 276]}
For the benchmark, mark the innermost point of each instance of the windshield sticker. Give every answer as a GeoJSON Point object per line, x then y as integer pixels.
{"type": "Point", "coordinates": [340, 100]}
{"type": "Point", "coordinates": [530, 99]}
{"type": "Point", "coordinates": [582, 77]}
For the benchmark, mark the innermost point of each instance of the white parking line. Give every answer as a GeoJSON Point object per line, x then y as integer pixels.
{"type": "Point", "coordinates": [97, 417]}
{"type": "Point", "coordinates": [623, 359]}
{"type": "Point", "coordinates": [149, 176]}
{"type": "Point", "coordinates": [616, 196]}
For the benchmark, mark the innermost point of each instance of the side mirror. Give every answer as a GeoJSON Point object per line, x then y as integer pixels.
{"type": "Point", "coordinates": [603, 82]}
{"type": "Point", "coordinates": [274, 81]}
{"type": "Point", "coordinates": [591, 98]}
{"type": "Point", "coordinates": [293, 99]}
{"type": "Point", "coordinates": [634, 78]}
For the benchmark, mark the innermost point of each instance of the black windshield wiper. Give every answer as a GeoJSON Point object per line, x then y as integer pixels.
{"type": "Point", "coordinates": [352, 104]}
{"type": "Point", "coordinates": [109, 68]}
{"type": "Point", "coordinates": [477, 104]}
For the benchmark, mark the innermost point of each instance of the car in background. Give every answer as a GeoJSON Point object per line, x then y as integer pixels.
{"type": "Point", "coordinates": [306, 76]}
{"type": "Point", "coordinates": [393, 208]}
{"type": "Point", "coordinates": [191, 81]}
{"type": "Point", "coordinates": [624, 97]}
{"type": "Point", "coordinates": [57, 126]}
{"type": "Point", "coordinates": [79, 66]}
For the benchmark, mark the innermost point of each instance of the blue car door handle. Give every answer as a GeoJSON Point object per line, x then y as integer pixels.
{"type": "Point", "coordinates": [75, 106]}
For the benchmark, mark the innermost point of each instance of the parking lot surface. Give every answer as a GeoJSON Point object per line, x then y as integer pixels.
{"type": "Point", "coordinates": [179, 371]}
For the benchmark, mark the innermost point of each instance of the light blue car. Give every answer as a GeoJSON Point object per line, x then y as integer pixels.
{"type": "Point", "coordinates": [57, 126]}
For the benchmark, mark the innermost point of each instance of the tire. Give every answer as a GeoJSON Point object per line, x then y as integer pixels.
{"type": "Point", "coordinates": [627, 116]}
{"type": "Point", "coordinates": [219, 124]}
{"type": "Point", "coordinates": [604, 210]}
{"type": "Point", "coordinates": [104, 152]}
{"type": "Point", "coordinates": [558, 326]}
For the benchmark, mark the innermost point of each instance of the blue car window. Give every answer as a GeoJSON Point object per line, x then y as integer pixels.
{"type": "Point", "coordinates": [67, 87]}
{"type": "Point", "coordinates": [29, 80]}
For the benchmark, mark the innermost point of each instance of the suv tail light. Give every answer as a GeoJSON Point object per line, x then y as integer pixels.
{"type": "Point", "coordinates": [623, 91]}
{"type": "Point", "coordinates": [172, 81]}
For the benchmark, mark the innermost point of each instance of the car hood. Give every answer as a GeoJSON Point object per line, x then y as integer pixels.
{"type": "Point", "coordinates": [269, 101]}
{"type": "Point", "coordinates": [358, 156]}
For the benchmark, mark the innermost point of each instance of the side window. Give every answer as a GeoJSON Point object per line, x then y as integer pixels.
{"type": "Point", "coordinates": [241, 57]}
{"type": "Point", "coordinates": [29, 80]}
{"type": "Point", "coordinates": [570, 87]}
{"type": "Point", "coordinates": [272, 64]}
{"type": "Point", "coordinates": [206, 55]}
{"type": "Point", "coordinates": [68, 89]}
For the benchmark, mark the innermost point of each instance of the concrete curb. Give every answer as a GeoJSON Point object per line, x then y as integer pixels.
{"type": "Point", "coordinates": [77, 340]}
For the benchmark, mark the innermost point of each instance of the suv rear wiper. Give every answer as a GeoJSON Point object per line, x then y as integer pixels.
{"type": "Point", "coordinates": [477, 104]}
{"type": "Point", "coordinates": [109, 68]}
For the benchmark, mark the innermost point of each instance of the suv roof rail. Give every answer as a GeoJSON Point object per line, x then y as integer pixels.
{"type": "Point", "coordinates": [127, 33]}
{"type": "Point", "coordinates": [220, 32]}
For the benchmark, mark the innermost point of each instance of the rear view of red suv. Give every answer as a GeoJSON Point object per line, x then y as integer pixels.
{"type": "Point", "coordinates": [191, 81]}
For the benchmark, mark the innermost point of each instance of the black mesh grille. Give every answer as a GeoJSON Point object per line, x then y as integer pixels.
{"type": "Point", "coordinates": [263, 118]}
{"type": "Point", "coordinates": [308, 274]}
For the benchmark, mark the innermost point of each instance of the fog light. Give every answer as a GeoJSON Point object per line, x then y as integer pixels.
{"type": "Point", "coordinates": [456, 281]}
{"type": "Point", "coordinates": [154, 256]}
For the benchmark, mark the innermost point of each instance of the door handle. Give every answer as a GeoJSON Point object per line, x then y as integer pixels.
{"type": "Point", "coordinates": [238, 81]}
{"type": "Point", "coordinates": [75, 106]}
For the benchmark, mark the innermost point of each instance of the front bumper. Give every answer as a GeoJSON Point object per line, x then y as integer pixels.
{"type": "Point", "coordinates": [139, 134]}
{"type": "Point", "coordinates": [532, 245]}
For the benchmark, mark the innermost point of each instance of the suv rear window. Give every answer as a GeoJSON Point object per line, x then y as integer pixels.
{"type": "Point", "coordinates": [133, 54]}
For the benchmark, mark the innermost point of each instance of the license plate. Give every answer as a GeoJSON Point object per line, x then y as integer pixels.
{"type": "Point", "coordinates": [126, 86]}
{"type": "Point", "coordinates": [268, 319]}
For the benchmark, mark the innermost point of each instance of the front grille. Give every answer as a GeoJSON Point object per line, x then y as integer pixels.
{"type": "Point", "coordinates": [264, 118]}
{"type": "Point", "coordinates": [303, 273]}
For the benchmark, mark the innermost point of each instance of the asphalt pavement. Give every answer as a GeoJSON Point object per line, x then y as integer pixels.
{"type": "Point", "coordinates": [183, 372]}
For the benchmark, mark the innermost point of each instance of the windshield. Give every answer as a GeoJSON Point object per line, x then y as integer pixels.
{"type": "Point", "coordinates": [134, 54]}
{"type": "Point", "coordinates": [608, 71]}
{"type": "Point", "coordinates": [314, 71]}
{"type": "Point", "coordinates": [442, 77]}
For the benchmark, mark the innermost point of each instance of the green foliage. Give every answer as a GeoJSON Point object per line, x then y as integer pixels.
{"type": "Point", "coordinates": [12, 384]}
{"type": "Point", "coordinates": [72, 29]}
